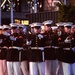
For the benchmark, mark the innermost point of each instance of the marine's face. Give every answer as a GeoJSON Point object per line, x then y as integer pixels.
{"type": "Point", "coordinates": [67, 30]}
{"type": "Point", "coordinates": [21, 29]}
{"type": "Point", "coordinates": [72, 30]}
{"type": "Point", "coordinates": [8, 31]}
{"type": "Point", "coordinates": [14, 30]}
{"type": "Point", "coordinates": [37, 30]}
{"type": "Point", "coordinates": [47, 28]}
{"type": "Point", "coordinates": [60, 29]}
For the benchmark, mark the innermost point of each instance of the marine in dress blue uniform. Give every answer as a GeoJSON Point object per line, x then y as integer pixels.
{"type": "Point", "coordinates": [68, 56]}
{"type": "Point", "coordinates": [36, 55]}
{"type": "Point", "coordinates": [13, 59]}
{"type": "Point", "coordinates": [59, 51]}
{"type": "Point", "coordinates": [3, 67]}
{"type": "Point", "coordinates": [24, 51]}
{"type": "Point", "coordinates": [50, 56]}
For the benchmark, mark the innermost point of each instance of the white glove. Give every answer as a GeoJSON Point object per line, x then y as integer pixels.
{"type": "Point", "coordinates": [73, 48]}
{"type": "Point", "coordinates": [67, 40]}
{"type": "Point", "coordinates": [41, 48]}
{"type": "Point", "coordinates": [6, 34]}
{"type": "Point", "coordinates": [28, 42]}
{"type": "Point", "coordinates": [40, 36]}
{"type": "Point", "coordinates": [12, 38]}
{"type": "Point", "coordinates": [1, 40]}
{"type": "Point", "coordinates": [59, 33]}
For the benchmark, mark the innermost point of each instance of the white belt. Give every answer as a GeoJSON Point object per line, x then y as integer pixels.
{"type": "Point", "coordinates": [55, 47]}
{"type": "Point", "coordinates": [47, 47]}
{"type": "Point", "coordinates": [52, 47]}
{"type": "Point", "coordinates": [66, 48]}
{"type": "Point", "coordinates": [14, 47]}
{"type": "Point", "coordinates": [41, 48]}
{"type": "Point", "coordinates": [5, 47]}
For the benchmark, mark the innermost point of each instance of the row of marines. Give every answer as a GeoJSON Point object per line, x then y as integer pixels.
{"type": "Point", "coordinates": [44, 50]}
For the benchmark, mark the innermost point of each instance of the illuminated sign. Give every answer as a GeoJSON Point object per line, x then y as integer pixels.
{"type": "Point", "coordinates": [24, 22]}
